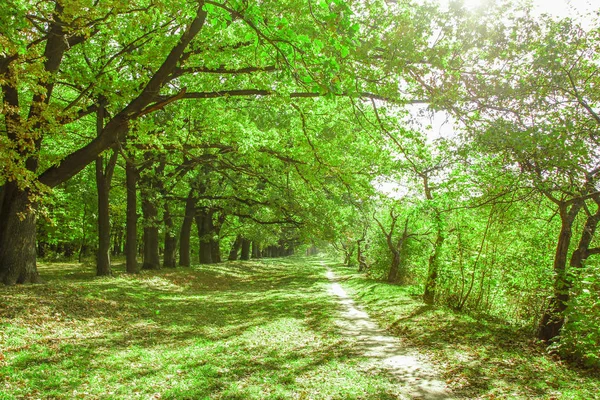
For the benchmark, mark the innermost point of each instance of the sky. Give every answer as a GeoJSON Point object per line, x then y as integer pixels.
{"type": "Point", "coordinates": [559, 8]}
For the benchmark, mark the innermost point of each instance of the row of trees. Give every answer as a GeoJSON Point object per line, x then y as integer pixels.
{"type": "Point", "coordinates": [271, 121]}
{"type": "Point", "coordinates": [501, 218]}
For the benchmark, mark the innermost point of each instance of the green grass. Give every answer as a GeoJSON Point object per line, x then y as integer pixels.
{"type": "Point", "coordinates": [248, 330]}
{"type": "Point", "coordinates": [242, 330]}
{"type": "Point", "coordinates": [480, 357]}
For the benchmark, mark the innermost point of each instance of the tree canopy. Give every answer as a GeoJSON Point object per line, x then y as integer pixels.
{"type": "Point", "coordinates": [270, 126]}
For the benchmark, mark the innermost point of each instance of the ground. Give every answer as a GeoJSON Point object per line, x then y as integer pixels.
{"type": "Point", "coordinates": [244, 330]}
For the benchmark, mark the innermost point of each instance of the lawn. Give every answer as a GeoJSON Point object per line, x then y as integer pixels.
{"type": "Point", "coordinates": [241, 330]}
{"type": "Point", "coordinates": [248, 330]}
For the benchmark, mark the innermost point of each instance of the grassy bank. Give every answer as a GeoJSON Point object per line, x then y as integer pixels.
{"type": "Point", "coordinates": [481, 358]}
{"type": "Point", "coordinates": [243, 330]}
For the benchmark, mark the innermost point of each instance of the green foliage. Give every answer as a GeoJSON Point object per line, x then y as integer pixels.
{"type": "Point", "coordinates": [580, 339]}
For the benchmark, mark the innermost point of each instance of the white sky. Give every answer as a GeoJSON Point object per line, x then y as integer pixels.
{"type": "Point", "coordinates": [560, 8]}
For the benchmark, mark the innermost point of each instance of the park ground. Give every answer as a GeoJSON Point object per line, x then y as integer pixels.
{"type": "Point", "coordinates": [251, 330]}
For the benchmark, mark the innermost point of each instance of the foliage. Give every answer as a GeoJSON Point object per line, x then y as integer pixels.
{"type": "Point", "coordinates": [580, 339]}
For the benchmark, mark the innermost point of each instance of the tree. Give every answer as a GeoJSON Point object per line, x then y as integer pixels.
{"type": "Point", "coordinates": [524, 88]}
{"type": "Point", "coordinates": [46, 39]}
{"type": "Point", "coordinates": [63, 58]}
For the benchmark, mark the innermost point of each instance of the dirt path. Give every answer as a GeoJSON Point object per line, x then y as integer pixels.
{"type": "Point", "coordinates": [385, 351]}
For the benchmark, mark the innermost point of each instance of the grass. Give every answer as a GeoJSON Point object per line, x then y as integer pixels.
{"type": "Point", "coordinates": [241, 330]}
{"type": "Point", "coordinates": [248, 330]}
{"type": "Point", "coordinates": [481, 358]}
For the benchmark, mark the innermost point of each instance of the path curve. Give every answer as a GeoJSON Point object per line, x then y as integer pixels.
{"type": "Point", "coordinates": [384, 351]}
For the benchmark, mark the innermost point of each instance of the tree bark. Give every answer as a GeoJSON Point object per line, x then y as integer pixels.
{"type": "Point", "coordinates": [17, 247]}
{"type": "Point", "coordinates": [186, 231]}
{"type": "Point", "coordinates": [394, 267]}
{"type": "Point", "coordinates": [360, 258]}
{"type": "Point", "coordinates": [103, 254]}
{"type": "Point", "coordinates": [205, 231]}
{"type": "Point", "coordinates": [103, 181]}
{"type": "Point", "coordinates": [170, 240]}
{"type": "Point", "coordinates": [131, 176]}
{"type": "Point", "coordinates": [256, 253]}
{"type": "Point", "coordinates": [151, 239]}
{"type": "Point", "coordinates": [235, 248]}
{"type": "Point", "coordinates": [215, 237]}
{"type": "Point", "coordinates": [553, 318]}
{"type": "Point", "coordinates": [215, 251]}
{"type": "Point", "coordinates": [245, 249]}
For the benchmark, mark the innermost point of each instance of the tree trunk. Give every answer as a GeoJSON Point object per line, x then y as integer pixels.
{"type": "Point", "coordinates": [245, 250]}
{"type": "Point", "coordinates": [17, 237]}
{"type": "Point", "coordinates": [256, 249]}
{"type": "Point", "coordinates": [132, 217]}
{"type": "Point", "coordinates": [103, 180]}
{"type": "Point", "coordinates": [204, 226]}
{"type": "Point", "coordinates": [186, 231]}
{"type": "Point", "coordinates": [215, 237]}
{"type": "Point", "coordinates": [432, 273]}
{"type": "Point", "coordinates": [117, 242]}
{"type": "Point", "coordinates": [360, 258]}
{"type": "Point", "coordinates": [215, 251]}
{"type": "Point", "coordinates": [553, 318]}
{"type": "Point", "coordinates": [235, 248]}
{"type": "Point", "coordinates": [151, 254]}
{"type": "Point", "coordinates": [582, 252]}
{"type": "Point", "coordinates": [102, 187]}
{"type": "Point", "coordinates": [394, 268]}
{"type": "Point", "coordinates": [170, 240]}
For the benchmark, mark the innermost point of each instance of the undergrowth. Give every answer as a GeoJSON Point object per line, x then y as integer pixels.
{"type": "Point", "coordinates": [481, 357]}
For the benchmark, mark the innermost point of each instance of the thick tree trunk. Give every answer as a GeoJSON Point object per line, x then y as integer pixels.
{"type": "Point", "coordinates": [235, 248]}
{"type": "Point", "coordinates": [17, 238]}
{"type": "Point", "coordinates": [151, 239]}
{"type": "Point", "coordinates": [553, 318]}
{"type": "Point", "coordinates": [432, 273]}
{"type": "Point", "coordinates": [215, 241]}
{"type": "Point", "coordinates": [170, 240]}
{"type": "Point", "coordinates": [204, 226]}
{"type": "Point", "coordinates": [582, 252]}
{"type": "Point", "coordinates": [132, 217]}
{"type": "Point", "coordinates": [103, 180]}
{"type": "Point", "coordinates": [245, 250]}
{"type": "Point", "coordinates": [186, 231]}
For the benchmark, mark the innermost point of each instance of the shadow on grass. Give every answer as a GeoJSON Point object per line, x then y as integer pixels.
{"type": "Point", "coordinates": [483, 356]}
{"type": "Point", "coordinates": [231, 330]}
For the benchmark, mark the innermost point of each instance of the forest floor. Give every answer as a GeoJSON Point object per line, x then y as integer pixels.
{"type": "Point", "coordinates": [254, 330]}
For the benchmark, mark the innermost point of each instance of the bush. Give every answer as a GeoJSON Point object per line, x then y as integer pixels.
{"type": "Point", "coordinates": [580, 337]}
